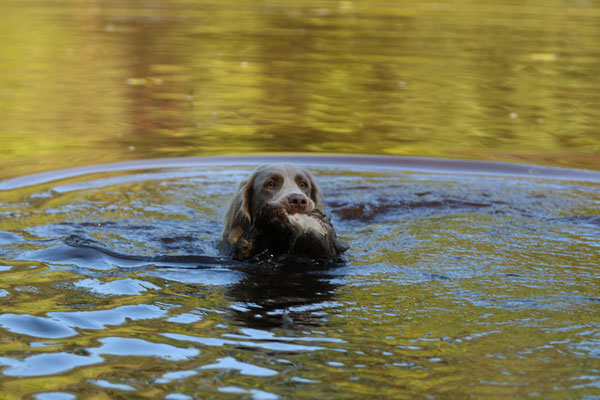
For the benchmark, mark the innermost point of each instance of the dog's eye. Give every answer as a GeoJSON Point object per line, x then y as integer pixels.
{"type": "Point", "coordinates": [271, 184]}
{"type": "Point", "coordinates": [303, 185]}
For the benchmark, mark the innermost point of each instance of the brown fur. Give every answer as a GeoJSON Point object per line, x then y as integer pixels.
{"type": "Point", "coordinates": [274, 193]}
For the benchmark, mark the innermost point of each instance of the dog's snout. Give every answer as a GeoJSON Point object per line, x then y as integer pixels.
{"type": "Point", "coordinates": [298, 202]}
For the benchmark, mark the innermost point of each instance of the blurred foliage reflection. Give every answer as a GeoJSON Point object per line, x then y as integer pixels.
{"type": "Point", "coordinates": [86, 82]}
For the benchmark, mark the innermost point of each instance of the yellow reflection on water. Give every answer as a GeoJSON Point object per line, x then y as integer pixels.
{"type": "Point", "coordinates": [92, 82]}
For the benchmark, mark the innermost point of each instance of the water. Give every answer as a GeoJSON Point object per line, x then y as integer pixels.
{"type": "Point", "coordinates": [463, 280]}
{"type": "Point", "coordinates": [112, 80]}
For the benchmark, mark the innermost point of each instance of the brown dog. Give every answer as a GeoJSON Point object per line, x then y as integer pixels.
{"type": "Point", "coordinates": [278, 209]}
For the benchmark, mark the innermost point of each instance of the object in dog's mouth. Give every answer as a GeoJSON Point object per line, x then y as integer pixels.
{"type": "Point", "coordinates": [278, 210]}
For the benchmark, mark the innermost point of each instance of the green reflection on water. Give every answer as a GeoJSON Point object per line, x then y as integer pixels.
{"type": "Point", "coordinates": [91, 82]}
{"type": "Point", "coordinates": [495, 296]}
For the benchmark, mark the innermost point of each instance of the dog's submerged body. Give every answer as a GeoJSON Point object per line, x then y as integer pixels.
{"type": "Point", "coordinates": [279, 210]}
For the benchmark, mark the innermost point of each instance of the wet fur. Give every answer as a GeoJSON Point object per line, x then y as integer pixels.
{"type": "Point", "coordinates": [262, 219]}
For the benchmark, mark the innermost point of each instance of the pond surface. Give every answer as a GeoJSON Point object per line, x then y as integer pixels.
{"type": "Point", "coordinates": [464, 279]}
{"type": "Point", "coordinates": [115, 80]}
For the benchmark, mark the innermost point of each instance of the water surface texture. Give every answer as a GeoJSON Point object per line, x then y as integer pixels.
{"type": "Point", "coordinates": [115, 80]}
{"type": "Point", "coordinates": [460, 283]}
{"type": "Point", "coordinates": [464, 279]}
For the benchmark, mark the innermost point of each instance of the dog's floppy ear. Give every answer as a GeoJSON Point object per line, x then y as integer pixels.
{"type": "Point", "coordinates": [315, 192]}
{"type": "Point", "coordinates": [237, 217]}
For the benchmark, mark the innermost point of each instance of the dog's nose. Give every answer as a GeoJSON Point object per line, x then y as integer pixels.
{"type": "Point", "coordinates": [298, 202]}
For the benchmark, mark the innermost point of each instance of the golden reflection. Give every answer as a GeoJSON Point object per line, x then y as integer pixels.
{"type": "Point", "coordinates": [85, 83]}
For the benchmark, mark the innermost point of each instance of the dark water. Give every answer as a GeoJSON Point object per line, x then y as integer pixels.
{"type": "Point", "coordinates": [463, 281]}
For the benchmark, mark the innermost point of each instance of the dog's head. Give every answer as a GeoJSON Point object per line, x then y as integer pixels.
{"type": "Point", "coordinates": [285, 185]}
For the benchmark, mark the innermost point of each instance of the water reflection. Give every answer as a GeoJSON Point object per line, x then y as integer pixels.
{"type": "Point", "coordinates": [460, 79]}
{"type": "Point", "coordinates": [115, 277]}
{"type": "Point", "coordinates": [286, 295]}
{"type": "Point", "coordinates": [270, 293]}
{"type": "Point", "coordinates": [46, 364]}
